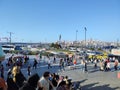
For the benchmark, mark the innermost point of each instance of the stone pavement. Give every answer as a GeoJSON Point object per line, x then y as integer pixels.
{"type": "Point", "coordinates": [91, 80]}
{"type": "Point", "coordinates": [95, 79]}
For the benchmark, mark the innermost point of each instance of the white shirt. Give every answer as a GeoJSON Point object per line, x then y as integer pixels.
{"type": "Point", "coordinates": [44, 83]}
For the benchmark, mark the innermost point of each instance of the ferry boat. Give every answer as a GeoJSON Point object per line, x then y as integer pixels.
{"type": "Point", "coordinates": [8, 47]}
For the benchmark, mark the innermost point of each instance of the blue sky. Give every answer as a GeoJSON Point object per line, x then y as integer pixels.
{"type": "Point", "coordinates": [45, 20]}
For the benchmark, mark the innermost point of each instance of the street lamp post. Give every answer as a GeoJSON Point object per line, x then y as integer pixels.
{"type": "Point", "coordinates": [76, 39]}
{"type": "Point", "coordinates": [76, 35]}
{"type": "Point", "coordinates": [10, 36]}
{"type": "Point", "coordinates": [85, 42]}
{"type": "Point", "coordinates": [85, 36]}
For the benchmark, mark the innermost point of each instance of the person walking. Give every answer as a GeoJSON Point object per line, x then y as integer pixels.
{"type": "Point", "coordinates": [101, 66]}
{"type": "Point", "coordinates": [86, 70]}
{"type": "Point", "coordinates": [35, 64]}
{"type": "Point", "coordinates": [61, 64]}
{"type": "Point", "coordinates": [82, 65]}
{"type": "Point", "coordinates": [29, 71]}
{"type": "Point", "coordinates": [116, 64]}
{"type": "Point", "coordinates": [95, 63]}
{"type": "Point", "coordinates": [54, 60]}
{"type": "Point", "coordinates": [49, 64]}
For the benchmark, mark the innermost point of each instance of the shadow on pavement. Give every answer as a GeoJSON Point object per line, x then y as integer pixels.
{"type": "Point", "coordinates": [77, 85]}
{"type": "Point", "coordinates": [95, 70]}
{"type": "Point", "coordinates": [103, 87]}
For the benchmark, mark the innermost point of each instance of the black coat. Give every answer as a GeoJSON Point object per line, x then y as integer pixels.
{"type": "Point", "coordinates": [27, 86]}
{"type": "Point", "coordinates": [20, 79]}
{"type": "Point", "coordinates": [11, 84]}
{"type": "Point", "coordinates": [31, 84]}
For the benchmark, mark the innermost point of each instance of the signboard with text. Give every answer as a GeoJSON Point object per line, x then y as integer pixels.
{"type": "Point", "coordinates": [115, 51]}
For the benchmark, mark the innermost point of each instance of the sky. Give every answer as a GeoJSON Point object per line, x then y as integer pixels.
{"type": "Point", "coordinates": [45, 20]}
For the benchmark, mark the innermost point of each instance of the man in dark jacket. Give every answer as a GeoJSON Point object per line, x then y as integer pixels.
{"type": "Point", "coordinates": [31, 84]}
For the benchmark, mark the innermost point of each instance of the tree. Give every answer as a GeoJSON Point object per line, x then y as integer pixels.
{"type": "Point", "coordinates": [56, 45]}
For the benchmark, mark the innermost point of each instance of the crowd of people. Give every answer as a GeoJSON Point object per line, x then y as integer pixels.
{"type": "Point", "coordinates": [17, 81]}
{"type": "Point", "coordinates": [49, 81]}
{"type": "Point", "coordinates": [105, 64]}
